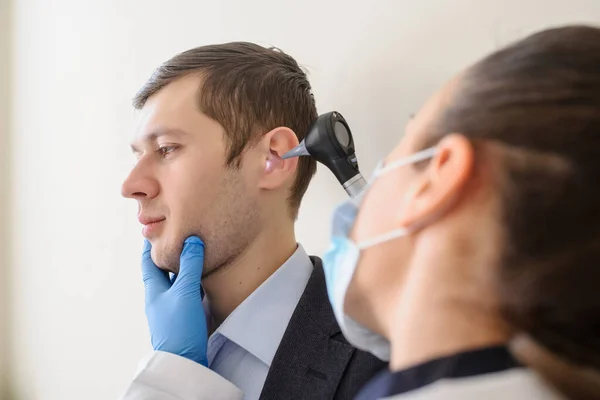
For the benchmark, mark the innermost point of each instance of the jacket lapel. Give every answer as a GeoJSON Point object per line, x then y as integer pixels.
{"type": "Point", "coordinates": [312, 355]}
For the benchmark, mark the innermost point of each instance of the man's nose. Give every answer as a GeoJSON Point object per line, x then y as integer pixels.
{"type": "Point", "coordinates": [140, 185]}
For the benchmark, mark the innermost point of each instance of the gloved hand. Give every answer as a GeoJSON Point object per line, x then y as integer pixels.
{"type": "Point", "coordinates": [174, 307]}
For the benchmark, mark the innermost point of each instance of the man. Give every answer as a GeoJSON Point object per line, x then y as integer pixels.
{"type": "Point", "coordinates": [214, 121]}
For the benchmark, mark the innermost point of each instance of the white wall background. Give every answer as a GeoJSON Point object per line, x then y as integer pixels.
{"type": "Point", "coordinates": [4, 112]}
{"type": "Point", "coordinates": [76, 300]}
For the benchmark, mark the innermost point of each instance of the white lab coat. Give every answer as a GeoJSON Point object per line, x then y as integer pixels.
{"type": "Point", "coordinates": [166, 376]}
{"type": "Point", "coordinates": [514, 384]}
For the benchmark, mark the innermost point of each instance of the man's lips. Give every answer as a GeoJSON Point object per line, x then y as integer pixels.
{"type": "Point", "coordinates": [151, 225]}
{"type": "Point", "coordinates": [149, 220]}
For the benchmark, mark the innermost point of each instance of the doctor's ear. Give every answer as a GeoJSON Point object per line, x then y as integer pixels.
{"type": "Point", "coordinates": [277, 171]}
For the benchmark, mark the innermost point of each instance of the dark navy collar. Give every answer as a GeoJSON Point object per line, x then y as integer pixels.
{"type": "Point", "coordinates": [470, 363]}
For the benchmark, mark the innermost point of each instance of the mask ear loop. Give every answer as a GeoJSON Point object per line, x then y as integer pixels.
{"type": "Point", "coordinates": [400, 232]}
{"type": "Point", "coordinates": [412, 159]}
{"type": "Point", "coordinates": [385, 237]}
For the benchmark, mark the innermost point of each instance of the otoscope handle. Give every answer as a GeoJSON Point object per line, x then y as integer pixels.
{"type": "Point", "coordinates": [355, 185]}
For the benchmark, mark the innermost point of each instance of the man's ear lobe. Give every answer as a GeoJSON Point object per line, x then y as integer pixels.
{"type": "Point", "coordinates": [277, 171]}
{"type": "Point", "coordinates": [441, 182]}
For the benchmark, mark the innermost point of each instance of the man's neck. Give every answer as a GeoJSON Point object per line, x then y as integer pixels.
{"type": "Point", "coordinates": [228, 287]}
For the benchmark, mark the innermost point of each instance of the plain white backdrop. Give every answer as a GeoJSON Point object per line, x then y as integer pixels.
{"type": "Point", "coordinates": [71, 280]}
{"type": "Point", "coordinates": [4, 151]}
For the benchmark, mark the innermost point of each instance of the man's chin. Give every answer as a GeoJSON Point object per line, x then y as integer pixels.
{"type": "Point", "coordinates": [165, 259]}
{"type": "Point", "coordinates": [208, 272]}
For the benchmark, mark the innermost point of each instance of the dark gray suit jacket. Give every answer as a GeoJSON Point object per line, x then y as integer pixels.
{"type": "Point", "coordinates": [313, 360]}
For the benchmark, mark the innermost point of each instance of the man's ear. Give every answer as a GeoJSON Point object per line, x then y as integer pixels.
{"type": "Point", "coordinates": [276, 171]}
{"type": "Point", "coordinates": [441, 182]}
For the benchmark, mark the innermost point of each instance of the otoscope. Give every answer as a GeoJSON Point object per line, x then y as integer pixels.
{"type": "Point", "coordinates": [330, 142]}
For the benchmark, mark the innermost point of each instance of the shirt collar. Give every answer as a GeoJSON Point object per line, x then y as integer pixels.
{"type": "Point", "coordinates": [259, 322]}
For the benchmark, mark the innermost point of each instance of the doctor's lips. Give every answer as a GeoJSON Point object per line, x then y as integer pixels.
{"type": "Point", "coordinates": [151, 225]}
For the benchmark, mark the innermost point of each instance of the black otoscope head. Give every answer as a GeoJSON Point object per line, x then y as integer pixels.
{"type": "Point", "coordinates": [330, 142]}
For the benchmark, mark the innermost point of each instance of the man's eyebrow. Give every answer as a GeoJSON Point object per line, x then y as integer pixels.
{"type": "Point", "coordinates": [155, 134]}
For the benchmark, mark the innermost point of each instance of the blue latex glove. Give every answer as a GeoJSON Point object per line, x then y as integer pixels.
{"type": "Point", "coordinates": [174, 307]}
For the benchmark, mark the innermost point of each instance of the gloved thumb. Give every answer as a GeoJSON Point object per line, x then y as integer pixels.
{"type": "Point", "coordinates": [156, 281]}
{"type": "Point", "coordinates": [191, 264]}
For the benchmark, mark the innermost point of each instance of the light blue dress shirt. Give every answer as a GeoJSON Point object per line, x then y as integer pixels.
{"type": "Point", "coordinates": [242, 348]}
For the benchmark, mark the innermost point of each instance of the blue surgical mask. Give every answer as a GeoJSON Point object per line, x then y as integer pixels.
{"type": "Point", "coordinates": [341, 260]}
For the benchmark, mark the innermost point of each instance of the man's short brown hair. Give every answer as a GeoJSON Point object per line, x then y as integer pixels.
{"type": "Point", "coordinates": [249, 90]}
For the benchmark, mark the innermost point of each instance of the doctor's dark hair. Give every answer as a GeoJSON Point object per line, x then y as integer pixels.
{"type": "Point", "coordinates": [249, 90]}
{"type": "Point", "coordinates": [538, 100]}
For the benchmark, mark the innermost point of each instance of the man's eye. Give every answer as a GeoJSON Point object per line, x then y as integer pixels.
{"type": "Point", "coordinates": [164, 151]}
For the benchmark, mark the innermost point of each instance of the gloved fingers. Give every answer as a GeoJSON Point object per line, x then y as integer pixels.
{"type": "Point", "coordinates": [156, 281]}
{"type": "Point", "coordinates": [191, 264]}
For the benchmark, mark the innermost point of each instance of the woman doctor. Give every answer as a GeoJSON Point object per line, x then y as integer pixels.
{"type": "Point", "coordinates": [473, 259]}
{"type": "Point", "coordinates": [472, 262]}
